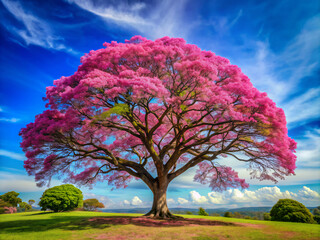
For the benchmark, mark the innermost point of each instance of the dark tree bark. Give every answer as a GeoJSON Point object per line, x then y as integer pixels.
{"type": "Point", "coordinates": [159, 207]}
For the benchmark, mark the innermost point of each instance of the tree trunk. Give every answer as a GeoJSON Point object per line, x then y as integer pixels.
{"type": "Point", "coordinates": [159, 206]}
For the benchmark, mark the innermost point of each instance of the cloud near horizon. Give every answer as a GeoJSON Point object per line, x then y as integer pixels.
{"type": "Point", "coordinates": [265, 196]}
{"type": "Point", "coordinates": [135, 202]}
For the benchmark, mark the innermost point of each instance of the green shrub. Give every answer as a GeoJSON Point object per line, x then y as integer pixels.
{"type": "Point", "coordinates": [202, 212]}
{"type": "Point", "coordinates": [24, 207]}
{"type": "Point", "coordinates": [266, 217]}
{"type": "Point", "coordinates": [288, 210]}
{"type": "Point", "coordinates": [316, 211]}
{"type": "Point", "coordinates": [61, 198]}
{"type": "Point", "coordinates": [317, 219]}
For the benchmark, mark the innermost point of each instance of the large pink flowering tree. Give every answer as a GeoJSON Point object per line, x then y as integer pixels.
{"type": "Point", "coordinates": [151, 110]}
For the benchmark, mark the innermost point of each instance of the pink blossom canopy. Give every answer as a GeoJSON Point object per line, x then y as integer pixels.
{"type": "Point", "coordinates": [145, 107]}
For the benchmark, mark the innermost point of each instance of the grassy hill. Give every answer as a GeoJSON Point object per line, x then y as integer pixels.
{"type": "Point", "coordinates": [96, 225]}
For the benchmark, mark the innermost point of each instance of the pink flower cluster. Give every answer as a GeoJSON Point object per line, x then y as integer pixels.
{"type": "Point", "coordinates": [10, 210]}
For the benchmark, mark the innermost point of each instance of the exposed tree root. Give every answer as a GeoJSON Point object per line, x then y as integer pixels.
{"type": "Point", "coordinates": [160, 214]}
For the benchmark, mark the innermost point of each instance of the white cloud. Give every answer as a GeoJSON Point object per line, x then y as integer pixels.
{"type": "Point", "coordinates": [12, 120]}
{"type": "Point", "coordinates": [1, 109]}
{"type": "Point", "coordinates": [35, 31]}
{"type": "Point", "coordinates": [12, 155]}
{"type": "Point", "coordinates": [196, 198]}
{"type": "Point", "coordinates": [158, 21]}
{"type": "Point", "coordinates": [307, 194]}
{"type": "Point", "coordinates": [136, 201]}
{"type": "Point", "coordinates": [171, 201]}
{"type": "Point", "coordinates": [182, 201]}
{"type": "Point", "coordinates": [126, 202]}
{"type": "Point", "coordinates": [215, 198]}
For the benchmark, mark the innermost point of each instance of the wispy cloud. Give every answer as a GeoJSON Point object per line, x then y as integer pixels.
{"type": "Point", "coordinates": [281, 74]}
{"type": "Point", "coordinates": [308, 151]}
{"type": "Point", "coordinates": [223, 24]}
{"type": "Point", "coordinates": [20, 183]}
{"type": "Point", "coordinates": [12, 155]}
{"type": "Point", "coordinates": [35, 31]}
{"type": "Point", "coordinates": [161, 20]}
{"type": "Point", "coordinates": [12, 120]}
{"type": "Point", "coordinates": [122, 13]}
{"type": "Point", "coordinates": [303, 108]}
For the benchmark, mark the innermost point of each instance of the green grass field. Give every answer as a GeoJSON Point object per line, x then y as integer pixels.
{"type": "Point", "coordinates": [76, 225]}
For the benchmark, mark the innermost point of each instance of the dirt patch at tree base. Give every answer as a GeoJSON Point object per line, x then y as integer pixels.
{"type": "Point", "coordinates": [151, 222]}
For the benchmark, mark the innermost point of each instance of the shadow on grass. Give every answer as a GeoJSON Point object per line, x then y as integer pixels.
{"type": "Point", "coordinates": [86, 223]}
{"type": "Point", "coordinates": [41, 213]}
{"type": "Point", "coordinates": [54, 222]}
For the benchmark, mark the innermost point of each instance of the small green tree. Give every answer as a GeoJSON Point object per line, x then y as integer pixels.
{"type": "Point", "coordinates": [266, 217]}
{"type": "Point", "coordinates": [31, 202]}
{"type": "Point", "coordinates": [288, 210]}
{"type": "Point", "coordinates": [92, 204]}
{"type": "Point", "coordinates": [25, 206]}
{"type": "Point", "coordinates": [316, 211]}
{"type": "Point", "coordinates": [189, 213]}
{"type": "Point", "coordinates": [11, 198]}
{"type": "Point", "coordinates": [237, 215]}
{"type": "Point", "coordinates": [228, 214]}
{"type": "Point", "coordinates": [61, 198]}
{"type": "Point", "coordinates": [202, 212]}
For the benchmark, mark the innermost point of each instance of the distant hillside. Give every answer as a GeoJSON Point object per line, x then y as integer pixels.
{"type": "Point", "coordinates": [193, 210]}
{"type": "Point", "coordinates": [220, 211]}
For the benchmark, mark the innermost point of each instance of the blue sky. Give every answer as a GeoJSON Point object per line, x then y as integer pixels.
{"type": "Point", "coordinates": [275, 43]}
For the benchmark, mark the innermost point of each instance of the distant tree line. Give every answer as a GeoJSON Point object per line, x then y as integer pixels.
{"type": "Point", "coordinates": [61, 198]}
